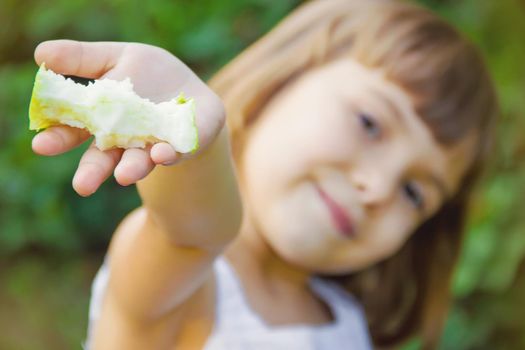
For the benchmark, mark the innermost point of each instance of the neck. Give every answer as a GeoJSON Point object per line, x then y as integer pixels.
{"type": "Point", "coordinates": [255, 259]}
{"type": "Point", "coordinates": [278, 291]}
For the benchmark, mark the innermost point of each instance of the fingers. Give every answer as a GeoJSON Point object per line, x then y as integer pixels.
{"type": "Point", "coordinates": [128, 166]}
{"type": "Point", "coordinates": [134, 166]}
{"type": "Point", "coordinates": [163, 154]}
{"type": "Point", "coordinates": [83, 59]}
{"type": "Point", "coordinates": [58, 139]}
{"type": "Point", "coordinates": [94, 168]}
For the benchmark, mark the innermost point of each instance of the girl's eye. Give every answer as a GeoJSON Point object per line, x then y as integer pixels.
{"type": "Point", "coordinates": [369, 125]}
{"type": "Point", "coordinates": [414, 195]}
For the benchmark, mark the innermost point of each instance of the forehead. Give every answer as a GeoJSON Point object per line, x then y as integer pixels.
{"type": "Point", "coordinates": [411, 140]}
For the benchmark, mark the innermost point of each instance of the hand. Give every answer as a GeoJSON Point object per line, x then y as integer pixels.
{"type": "Point", "coordinates": [156, 75]}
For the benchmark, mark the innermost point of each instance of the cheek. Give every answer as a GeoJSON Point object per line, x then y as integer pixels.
{"type": "Point", "coordinates": [282, 150]}
{"type": "Point", "coordinates": [390, 233]}
{"type": "Point", "coordinates": [387, 236]}
{"type": "Point", "coordinates": [301, 132]}
{"type": "Point", "coordinates": [295, 225]}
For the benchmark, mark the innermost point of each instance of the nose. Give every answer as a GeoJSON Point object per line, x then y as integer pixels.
{"type": "Point", "coordinates": [373, 187]}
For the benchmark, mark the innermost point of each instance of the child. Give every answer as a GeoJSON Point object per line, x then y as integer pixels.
{"type": "Point", "coordinates": [356, 129]}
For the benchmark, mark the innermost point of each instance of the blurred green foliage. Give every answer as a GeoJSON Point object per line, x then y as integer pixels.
{"type": "Point", "coordinates": [38, 208]}
{"type": "Point", "coordinates": [491, 276]}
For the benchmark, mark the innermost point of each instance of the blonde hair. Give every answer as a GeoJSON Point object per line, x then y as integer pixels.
{"type": "Point", "coordinates": [452, 93]}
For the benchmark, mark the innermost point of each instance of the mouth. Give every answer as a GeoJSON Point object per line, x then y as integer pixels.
{"type": "Point", "coordinates": [340, 218]}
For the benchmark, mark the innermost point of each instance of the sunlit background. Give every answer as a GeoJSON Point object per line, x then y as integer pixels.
{"type": "Point", "coordinates": [52, 241]}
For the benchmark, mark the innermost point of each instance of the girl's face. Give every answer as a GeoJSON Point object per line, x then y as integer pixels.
{"type": "Point", "coordinates": [339, 170]}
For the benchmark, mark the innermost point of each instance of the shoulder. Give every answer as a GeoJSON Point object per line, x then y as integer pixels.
{"type": "Point", "coordinates": [198, 317]}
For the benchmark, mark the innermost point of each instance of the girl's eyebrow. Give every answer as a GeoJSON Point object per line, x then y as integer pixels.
{"type": "Point", "coordinates": [394, 109]}
{"type": "Point", "coordinates": [440, 185]}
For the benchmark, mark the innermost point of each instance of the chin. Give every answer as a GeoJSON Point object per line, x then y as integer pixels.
{"type": "Point", "coordinates": [320, 255]}
{"type": "Point", "coordinates": [297, 230]}
{"type": "Point", "coordinates": [306, 250]}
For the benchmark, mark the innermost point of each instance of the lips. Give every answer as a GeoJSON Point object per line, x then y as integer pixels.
{"type": "Point", "coordinates": [339, 216]}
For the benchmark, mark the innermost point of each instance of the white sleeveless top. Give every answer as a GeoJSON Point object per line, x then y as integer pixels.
{"type": "Point", "coordinates": [238, 327]}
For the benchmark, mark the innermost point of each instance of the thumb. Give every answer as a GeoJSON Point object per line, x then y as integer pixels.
{"type": "Point", "coordinates": [82, 59]}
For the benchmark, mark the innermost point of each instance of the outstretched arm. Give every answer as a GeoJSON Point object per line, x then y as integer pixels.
{"type": "Point", "coordinates": [161, 254]}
